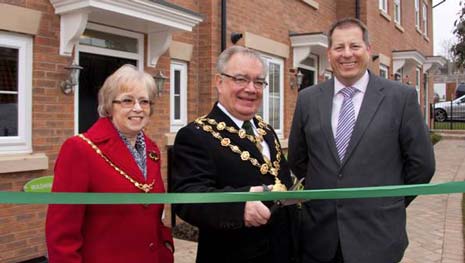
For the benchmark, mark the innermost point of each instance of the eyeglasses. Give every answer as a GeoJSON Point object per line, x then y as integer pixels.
{"type": "Point", "coordinates": [243, 82]}
{"type": "Point", "coordinates": [129, 103]}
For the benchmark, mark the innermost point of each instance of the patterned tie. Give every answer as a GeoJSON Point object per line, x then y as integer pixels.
{"type": "Point", "coordinates": [346, 121]}
{"type": "Point", "coordinates": [247, 126]}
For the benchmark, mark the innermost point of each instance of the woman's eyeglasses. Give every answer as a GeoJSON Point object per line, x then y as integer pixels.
{"type": "Point", "coordinates": [129, 103]}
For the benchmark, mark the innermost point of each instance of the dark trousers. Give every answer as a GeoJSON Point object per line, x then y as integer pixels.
{"type": "Point", "coordinates": [338, 258]}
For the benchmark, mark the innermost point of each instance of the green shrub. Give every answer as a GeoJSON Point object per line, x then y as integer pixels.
{"type": "Point", "coordinates": [435, 137]}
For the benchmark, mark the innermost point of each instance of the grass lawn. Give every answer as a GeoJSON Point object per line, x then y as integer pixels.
{"type": "Point", "coordinates": [446, 125]}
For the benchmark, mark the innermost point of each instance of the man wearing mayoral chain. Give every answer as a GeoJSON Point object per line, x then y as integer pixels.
{"type": "Point", "coordinates": [233, 150]}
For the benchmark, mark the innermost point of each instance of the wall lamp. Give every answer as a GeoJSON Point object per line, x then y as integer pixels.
{"type": "Point", "coordinates": [68, 85]}
{"type": "Point", "coordinates": [296, 79]}
{"type": "Point", "coordinates": [160, 82]}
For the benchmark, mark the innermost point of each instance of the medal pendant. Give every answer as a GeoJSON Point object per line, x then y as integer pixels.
{"type": "Point", "coordinates": [221, 126]}
{"type": "Point", "coordinates": [245, 155]}
{"type": "Point", "coordinates": [242, 133]}
{"type": "Point", "coordinates": [278, 186]}
{"type": "Point", "coordinates": [225, 142]}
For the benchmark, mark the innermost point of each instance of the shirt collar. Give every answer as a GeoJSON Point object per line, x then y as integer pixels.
{"type": "Point", "coordinates": [234, 119]}
{"type": "Point", "coordinates": [360, 85]}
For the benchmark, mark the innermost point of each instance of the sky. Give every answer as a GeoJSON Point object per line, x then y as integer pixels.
{"type": "Point", "coordinates": [444, 16]}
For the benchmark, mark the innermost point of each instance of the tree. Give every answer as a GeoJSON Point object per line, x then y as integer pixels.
{"type": "Point", "coordinates": [458, 49]}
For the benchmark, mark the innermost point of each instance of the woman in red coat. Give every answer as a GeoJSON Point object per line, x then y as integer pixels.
{"type": "Point", "coordinates": [113, 156]}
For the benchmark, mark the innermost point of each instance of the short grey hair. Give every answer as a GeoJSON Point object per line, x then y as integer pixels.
{"type": "Point", "coordinates": [346, 23]}
{"type": "Point", "coordinates": [123, 80]}
{"type": "Point", "coordinates": [228, 53]}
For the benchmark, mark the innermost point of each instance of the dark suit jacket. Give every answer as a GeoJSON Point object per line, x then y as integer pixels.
{"type": "Point", "coordinates": [389, 146]}
{"type": "Point", "coordinates": [201, 164]}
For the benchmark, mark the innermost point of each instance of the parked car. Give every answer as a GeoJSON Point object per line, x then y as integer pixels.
{"type": "Point", "coordinates": [450, 110]}
{"type": "Point", "coordinates": [460, 90]}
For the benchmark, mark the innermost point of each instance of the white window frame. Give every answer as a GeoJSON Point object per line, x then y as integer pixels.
{"type": "Point", "coordinates": [425, 19]}
{"type": "Point", "coordinates": [313, 68]}
{"type": "Point", "coordinates": [385, 69]}
{"type": "Point", "coordinates": [22, 143]}
{"type": "Point", "coordinates": [383, 6]}
{"type": "Point", "coordinates": [397, 11]}
{"type": "Point", "coordinates": [139, 57]}
{"type": "Point", "coordinates": [181, 66]}
{"type": "Point", "coordinates": [417, 84]}
{"type": "Point", "coordinates": [417, 14]}
{"type": "Point", "coordinates": [266, 94]}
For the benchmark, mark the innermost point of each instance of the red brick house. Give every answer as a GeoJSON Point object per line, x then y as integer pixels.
{"type": "Point", "coordinates": [181, 39]}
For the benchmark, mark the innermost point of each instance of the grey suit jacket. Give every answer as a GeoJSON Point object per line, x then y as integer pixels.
{"type": "Point", "coordinates": [389, 146]}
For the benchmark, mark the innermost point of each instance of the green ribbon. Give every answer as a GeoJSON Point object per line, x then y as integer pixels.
{"type": "Point", "coordinates": [222, 197]}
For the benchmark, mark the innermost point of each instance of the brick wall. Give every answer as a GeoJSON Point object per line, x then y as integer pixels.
{"type": "Point", "coordinates": [22, 226]}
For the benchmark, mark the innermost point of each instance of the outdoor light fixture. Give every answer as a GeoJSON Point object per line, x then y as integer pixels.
{"type": "Point", "coordinates": [68, 85]}
{"type": "Point", "coordinates": [160, 82]}
{"type": "Point", "coordinates": [296, 79]}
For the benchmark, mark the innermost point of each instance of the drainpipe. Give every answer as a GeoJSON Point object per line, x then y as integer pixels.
{"type": "Point", "coordinates": [223, 25]}
{"type": "Point", "coordinates": [357, 9]}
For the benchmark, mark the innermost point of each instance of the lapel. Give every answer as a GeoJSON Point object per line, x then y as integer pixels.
{"type": "Point", "coordinates": [325, 106]}
{"type": "Point", "coordinates": [370, 104]}
{"type": "Point", "coordinates": [269, 138]}
{"type": "Point", "coordinates": [104, 135]}
{"type": "Point", "coordinates": [243, 144]}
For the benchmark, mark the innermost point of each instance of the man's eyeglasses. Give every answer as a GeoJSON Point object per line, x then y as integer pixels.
{"type": "Point", "coordinates": [243, 82]}
{"type": "Point", "coordinates": [130, 102]}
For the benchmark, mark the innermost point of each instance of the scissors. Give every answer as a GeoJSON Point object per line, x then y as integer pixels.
{"type": "Point", "coordinates": [286, 202]}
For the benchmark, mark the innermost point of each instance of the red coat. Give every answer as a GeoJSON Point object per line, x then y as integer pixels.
{"type": "Point", "coordinates": [105, 233]}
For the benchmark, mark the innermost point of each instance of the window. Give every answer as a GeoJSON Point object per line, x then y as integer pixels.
{"type": "Point", "coordinates": [383, 71]}
{"type": "Point", "coordinates": [425, 19]}
{"type": "Point", "coordinates": [417, 14]}
{"type": "Point", "coordinates": [273, 103]}
{"type": "Point", "coordinates": [15, 93]}
{"type": "Point", "coordinates": [397, 12]}
{"type": "Point", "coordinates": [383, 5]}
{"type": "Point", "coordinates": [417, 83]}
{"type": "Point", "coordinates": [178, 95]}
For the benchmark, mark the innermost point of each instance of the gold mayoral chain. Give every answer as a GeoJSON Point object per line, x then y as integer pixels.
{"type": "Point", "coordinates": [209, 125]}
{"type": "Point", "coordinates": [144, 187]}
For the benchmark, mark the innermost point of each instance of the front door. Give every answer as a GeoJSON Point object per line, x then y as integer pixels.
{"type": "Point", "coordinates": [96, 68]}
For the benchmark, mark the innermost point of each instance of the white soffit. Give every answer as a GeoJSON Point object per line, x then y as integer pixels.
{"type": "Point", "coordinates": [157, 18]}
{"type": "Point", "coordinates": [433, 62]}
{"type": "Point", "coordinates": [407, 59]}
{"type": "Point", "coordinates": [310, 43]}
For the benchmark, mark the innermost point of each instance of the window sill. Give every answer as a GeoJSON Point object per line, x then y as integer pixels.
{"type": "Point", "coordinates": [23, 162]}
{"type": "Point", "coordinates": [312, 3]}
{"type": "Point", "coordinates": [169, 138]}
{"type": "Point", "coordinates": [385, 15]}
{"type": "Point", "coordinates": [399, 27]}
{"type": "Point", "coordinates": [425, 37]}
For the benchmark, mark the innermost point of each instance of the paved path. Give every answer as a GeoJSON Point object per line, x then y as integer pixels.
{"type": "Point", "coordinates": [434, 222]}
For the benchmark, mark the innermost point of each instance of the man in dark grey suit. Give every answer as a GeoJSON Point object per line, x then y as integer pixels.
{"type": "Point", "coordinates": [357, 130]}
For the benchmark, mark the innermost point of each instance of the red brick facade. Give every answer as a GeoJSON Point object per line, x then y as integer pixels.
{"type": "Point", "coordinates": [53, 113]}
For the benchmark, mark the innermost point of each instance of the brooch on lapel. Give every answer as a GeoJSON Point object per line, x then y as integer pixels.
{"type": "Point", "coordinates": [154, 156]}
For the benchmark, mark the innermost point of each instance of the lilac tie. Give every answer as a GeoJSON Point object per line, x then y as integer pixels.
{"type": "Point", "coordinates": [346, 121]}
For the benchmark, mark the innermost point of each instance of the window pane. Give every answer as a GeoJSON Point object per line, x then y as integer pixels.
{"type": "Point", "coordinates": [177, 107]}
{"type": "Point", "coordinates": [106, 40]}
{"type": "Point", "coordinates": [274, 89]}
{"type": "Point", "coordinates": [8, 69]}
{"type": "Point", "coordinates": [8, 115]}
{"type": "Point", "coordinates": [177, 82]}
